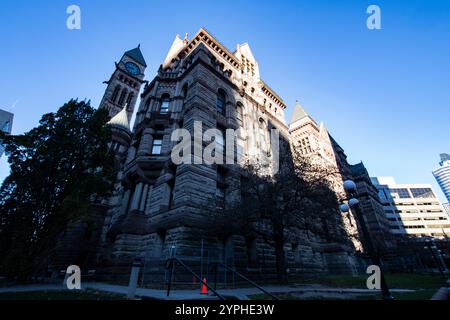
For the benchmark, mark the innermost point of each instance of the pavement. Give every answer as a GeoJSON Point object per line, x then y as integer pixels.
{"type": "Point", "coordinates": [237, 293]}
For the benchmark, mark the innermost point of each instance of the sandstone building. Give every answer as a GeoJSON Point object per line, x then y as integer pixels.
{"type": "Point", "coordinates": [157, 208]}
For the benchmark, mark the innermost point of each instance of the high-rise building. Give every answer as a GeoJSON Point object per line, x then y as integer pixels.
{"type": "Point", "coordinates": [442, 174]}
{"type": "Point", "coordinates": [412, 209]}
{"type": "Point", "coordinates": [6, 121]}
{"type": "Point", "coordinates": [447, 208]}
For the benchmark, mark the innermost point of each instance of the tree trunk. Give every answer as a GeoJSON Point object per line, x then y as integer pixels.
{"type": "Point", "coordinates": [282, 276]}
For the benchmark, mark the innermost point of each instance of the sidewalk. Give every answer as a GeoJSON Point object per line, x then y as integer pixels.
{"type": "Point", "coordinates": [238, 293]}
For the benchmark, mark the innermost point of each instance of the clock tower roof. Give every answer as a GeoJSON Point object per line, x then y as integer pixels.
{"type": "Point", "coordinates": [136, 55]}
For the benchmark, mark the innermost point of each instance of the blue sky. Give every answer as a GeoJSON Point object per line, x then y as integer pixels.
{"type": "Point", "coordinates": [384, 95]}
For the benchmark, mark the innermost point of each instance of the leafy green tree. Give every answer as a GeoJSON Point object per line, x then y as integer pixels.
{"type": "Point", "coordinates": [57, 170]}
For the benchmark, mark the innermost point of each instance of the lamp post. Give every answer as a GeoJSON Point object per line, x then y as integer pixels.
{"type": "Point", "coordinates": [353, 203]}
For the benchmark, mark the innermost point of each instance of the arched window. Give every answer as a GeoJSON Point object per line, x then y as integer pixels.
{"type": "Point", "coordinates": [130, 98]}
{"type": "Point", "coordinates": [122, 97]}
{"type": "Point", "coordinates": [221, 102]}
{"type": "Point", "coordinates": [165, 101]}
{"type": "Point", "coordinates": [262, 133]}
{"type": "Point", "coordinates": [115, 93]}
{"type": "Point", "coordinates": [184, 92]}
{"type": "Point", "coordinates": [240, 114]}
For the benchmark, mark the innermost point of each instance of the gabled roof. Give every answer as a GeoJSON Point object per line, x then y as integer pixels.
{"type": "Point", "coordinates": [120, 120]}
{"type": "Point", "coordinates": [175, 49]}
{"type": "Point", "coordinates": [245, 48]}
{"type": "Point", "coordinates": [299, 113]}
{"type": "Point", "coordinates": [136, 55]}
{"type": "Point", "coordinates": [205, 37]}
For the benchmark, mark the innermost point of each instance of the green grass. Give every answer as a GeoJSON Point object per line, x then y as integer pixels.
{"type": "Point", "coordinates": [397, 281]}
{"type": "Point", "coordinates": [399, 296]}
{"type": "Point", "coordinates": [317, 296]}
{"type": "Point", "coordinates": [426, 294]}
{"type": "Point", "coordinates": [425, 287]}
{"type": "Point", "coordinates": [61, 295]}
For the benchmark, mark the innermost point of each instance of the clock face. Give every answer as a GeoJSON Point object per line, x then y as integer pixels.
{"type": "Point", "coordinates": [132, 68]}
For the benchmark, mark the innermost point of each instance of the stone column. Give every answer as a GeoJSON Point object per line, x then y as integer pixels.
{"type": "Point", "coordinates": [143, 198]}
{"type": "Point", "coordinates": [146, 142]}
{"type": "Point", "coordinates": [131, 154]}
{"type": "Point", "coordinates": [134, 277]}
{"type": "Point", "coordinates": [125, 201]}
{"type": "Point", "coordinates": [149, 196]}
{"type": "Point", "coordinates": [135, 202]}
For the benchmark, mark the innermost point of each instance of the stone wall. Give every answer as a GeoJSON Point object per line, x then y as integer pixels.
{"type": "Point", "coordinates": [160, 206]}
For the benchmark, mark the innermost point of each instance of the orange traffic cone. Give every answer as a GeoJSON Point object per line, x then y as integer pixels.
{"type": "Point", "coordinates": [204, 287]}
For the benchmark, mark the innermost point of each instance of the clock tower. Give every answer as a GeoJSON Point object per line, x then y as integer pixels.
{"type": "Point", "coordinates": [125, 83]}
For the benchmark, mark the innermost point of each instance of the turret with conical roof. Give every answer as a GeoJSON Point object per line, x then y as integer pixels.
{"type": "Point", "coordinates": [120, 120]}
{"type": "Point", "coordinates": [120, 134]}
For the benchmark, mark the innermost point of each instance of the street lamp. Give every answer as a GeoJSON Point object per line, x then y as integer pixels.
{"type": "Point", "coordinates": [353, 203]}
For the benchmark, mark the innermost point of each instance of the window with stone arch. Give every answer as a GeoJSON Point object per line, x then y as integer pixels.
{"type": "Point", "coordinates": [184, 92]}
{"type": "Point", "coordinates": [165, 101]}
{"type": "Point", "coordinates": [240, 114]}
{"type": "Point", "coordinates": [130, 97]}
{"type": "Point", "coordinates": [115, 93]}
{"type": "Point", "coordinates": [262, 133]}
{"type": "Point", "coordinates": [221, 101]}
{"type": "Point", "coordinates": [122, 97]}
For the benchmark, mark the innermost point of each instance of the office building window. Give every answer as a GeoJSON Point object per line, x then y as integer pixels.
{"type": "Point", "coordinates": [422, 193]}
{"type": "Point", "coordinates": [400, 193]}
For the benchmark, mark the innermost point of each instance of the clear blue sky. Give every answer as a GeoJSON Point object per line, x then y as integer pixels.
{"type": "Point", "coordinates": [384, 95]}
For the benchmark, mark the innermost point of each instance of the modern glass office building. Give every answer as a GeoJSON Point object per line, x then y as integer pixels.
{"type": "Point", "coordinates": [412, 209]}
{"type": "Point", "coordinates": [447, 208]}
{"type": "Point", "coordinates": [442, 174]}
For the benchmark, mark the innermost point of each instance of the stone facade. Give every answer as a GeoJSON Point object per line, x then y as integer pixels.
{"type": "Point", "coordinates": [158, 207]}
{"type": "Point", "coordinates": [370, 202]}
{"type": "Point", "coordinates": [313, 141]}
